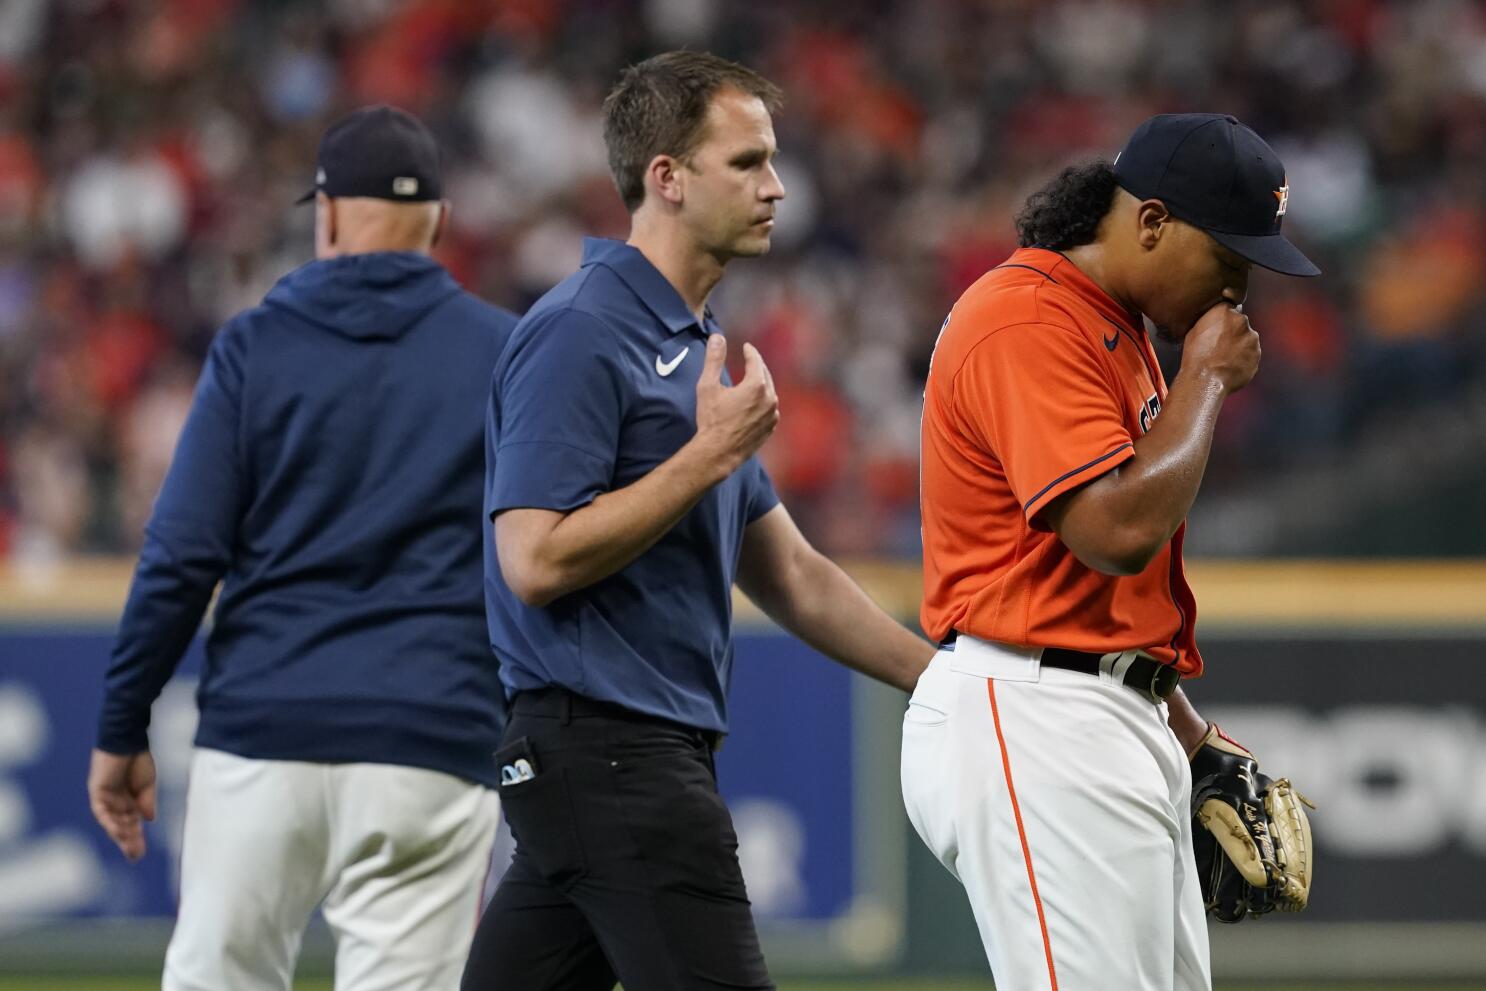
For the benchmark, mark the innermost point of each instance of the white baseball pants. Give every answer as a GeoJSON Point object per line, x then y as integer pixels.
{"type": "Point", "coordinates": [1060, 800]}
{"type": "Point", "coordinates": [395, 856]}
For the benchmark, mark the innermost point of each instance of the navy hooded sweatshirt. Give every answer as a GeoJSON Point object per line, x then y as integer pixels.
{"type": "Point", "coordinates": [330, 475]}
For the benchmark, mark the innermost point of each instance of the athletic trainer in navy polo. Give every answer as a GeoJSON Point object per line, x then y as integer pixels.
{"type": "Point", "coordinates": [656, 637]}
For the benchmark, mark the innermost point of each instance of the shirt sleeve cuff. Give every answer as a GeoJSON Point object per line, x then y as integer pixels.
{"type": "Point", "coordinates": [121, 732]}
{"type": "Point", "coordinates": [1075, 477]}
{"type": "Point", "coordinates": [546, 475]}
{"type": "Point", "coordinates": [762, 505]}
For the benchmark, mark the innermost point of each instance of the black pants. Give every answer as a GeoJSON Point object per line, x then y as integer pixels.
{"type": "Point", "coordinates": [626, 864]}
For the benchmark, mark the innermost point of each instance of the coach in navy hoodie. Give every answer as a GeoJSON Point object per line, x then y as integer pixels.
{"type": "Point", "coordinates": [330, 476]}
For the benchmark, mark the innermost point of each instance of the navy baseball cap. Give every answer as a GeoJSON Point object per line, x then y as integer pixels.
{"type": "Point", "coordinates": [1216, 174]}
{"type": "Point", "coordinates": [379, 152]}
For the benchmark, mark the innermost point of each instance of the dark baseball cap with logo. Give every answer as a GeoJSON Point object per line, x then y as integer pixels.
{"type": "Point", "coordinates": [378, 152]}
{"type": "Point", "coordinates": [1216, 174]}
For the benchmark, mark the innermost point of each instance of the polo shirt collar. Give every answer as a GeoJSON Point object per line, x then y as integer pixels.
{"type": "Point", "coordinates": [645, 280]}
{"type": "Point", "coordinates": [1062, 271]}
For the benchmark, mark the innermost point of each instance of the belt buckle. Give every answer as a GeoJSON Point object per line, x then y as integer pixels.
{"type": "Point", "coordinates": [1164, 679]}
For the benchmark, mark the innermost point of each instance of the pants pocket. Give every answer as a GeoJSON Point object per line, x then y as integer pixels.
{"type": "Point", "coordinates": [923, 714]}
{"type": "Point", "coordinates": [933, 695]}
{"type": "Point", "coordinates": [544, 822]}
{"type": "Point", "coordinates": [926, 755]}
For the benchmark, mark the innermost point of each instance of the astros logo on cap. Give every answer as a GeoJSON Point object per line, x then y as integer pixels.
{"type": "Point", "coordinates": [1283, 195]}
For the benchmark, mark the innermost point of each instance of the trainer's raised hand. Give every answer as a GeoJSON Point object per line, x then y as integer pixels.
{"type": "Point", "coordinates": [734, 421]}
{"type": "Point", "coordinates": [121, 793]}
{"type": "Point", "coordinates": [1223, 344]}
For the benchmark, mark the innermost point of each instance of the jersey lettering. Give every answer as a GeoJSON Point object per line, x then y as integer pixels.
{"type": "Point", "coordinates": [1149, 412]}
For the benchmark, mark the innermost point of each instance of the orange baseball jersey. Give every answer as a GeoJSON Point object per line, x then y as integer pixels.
{"type": "Point", "coordinates": [1039, 383]}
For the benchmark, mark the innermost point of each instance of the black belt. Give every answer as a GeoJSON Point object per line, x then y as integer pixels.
{"type": "Point", "coordinates": [555, 702]}
{"type": "Point", "coordinates": [1151, 678]}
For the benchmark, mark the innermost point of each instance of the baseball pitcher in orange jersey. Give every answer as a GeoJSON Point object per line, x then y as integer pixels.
{"type": "Point", "coordinates": [1049, 754]}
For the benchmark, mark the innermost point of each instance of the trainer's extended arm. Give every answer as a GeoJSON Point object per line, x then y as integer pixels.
{"type": "Point", "coordinates": [1118, 522]}
{"type": "Point", "coordinates": [546, 554]}
{"type": "Point", "coordinates": [806, 593]}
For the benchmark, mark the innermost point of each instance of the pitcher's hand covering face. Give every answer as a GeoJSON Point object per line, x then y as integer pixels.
{"type": "Point", "coordinates": [1198, 273]}
{"type": "Point", "coordinates": [729, 186]}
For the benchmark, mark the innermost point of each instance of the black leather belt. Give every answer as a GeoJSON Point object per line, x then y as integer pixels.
{"type": "Point", "coordinates": [1151, 678]}
{"type": "Point", "coordinates": [1154, 680]}
{"type": "Point", "coordinates": [555, 702]}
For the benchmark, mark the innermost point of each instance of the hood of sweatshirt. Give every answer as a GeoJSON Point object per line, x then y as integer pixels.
{"type": "Point", "coordinates": [374, 296]}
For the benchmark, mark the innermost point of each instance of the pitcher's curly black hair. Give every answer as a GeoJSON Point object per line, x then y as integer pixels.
{"type": "Point", "coordinates": [1066, 212]}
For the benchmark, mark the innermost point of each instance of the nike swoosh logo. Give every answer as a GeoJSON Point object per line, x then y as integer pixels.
{"type": "Point", "coordinates": [1110, 342]}
{"type": "Point", "coordinates": [667, 367]}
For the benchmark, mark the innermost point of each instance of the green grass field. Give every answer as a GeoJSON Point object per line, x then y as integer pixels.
{"type": "Point", "coordinates": [56, 983]}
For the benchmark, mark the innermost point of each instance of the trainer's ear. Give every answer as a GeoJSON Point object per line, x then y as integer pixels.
{"type": "Point", "coordinates": [443, 223]}
{"type": "Point", "coordinates": [663, 179]}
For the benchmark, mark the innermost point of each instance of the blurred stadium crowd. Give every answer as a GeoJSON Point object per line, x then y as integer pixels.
{"type": "Point", "coordinates": [150, 151]}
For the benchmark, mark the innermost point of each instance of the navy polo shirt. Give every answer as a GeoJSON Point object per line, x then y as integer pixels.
{"type": "Point", "coordinates": [597, 387]}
